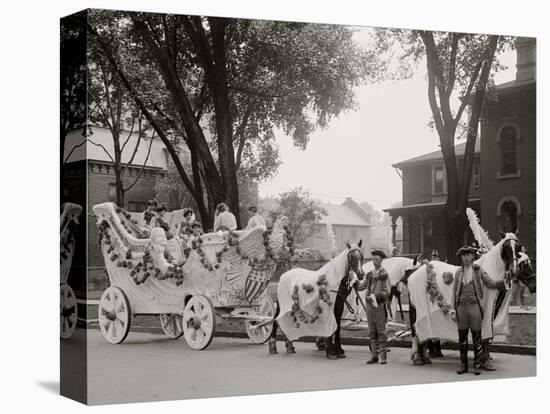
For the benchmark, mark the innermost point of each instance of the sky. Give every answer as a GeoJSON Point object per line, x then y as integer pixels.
{"type": "Point", "coordinates": [353, 156]}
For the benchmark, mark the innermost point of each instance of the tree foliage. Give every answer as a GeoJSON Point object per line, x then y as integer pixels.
{"type": "Point", "coordinates": [302, 211]}
{"type": "Point", "coordinates": [459, 65]}
{"type": "Point", "coordinates": [226, 85]}
{"type": "Point", "coordinates": [72, 76]}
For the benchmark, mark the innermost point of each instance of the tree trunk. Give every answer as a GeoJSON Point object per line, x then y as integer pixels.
{"type": "Point", "coordinates": [224, 124]}
{"type": "Point", "coordinates": [455, 227]}
{"type": "Point", "coordinates": [192, 128]}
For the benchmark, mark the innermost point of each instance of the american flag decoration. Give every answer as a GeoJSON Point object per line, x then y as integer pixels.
{"type": "Point", "coordinates": [257, 281]}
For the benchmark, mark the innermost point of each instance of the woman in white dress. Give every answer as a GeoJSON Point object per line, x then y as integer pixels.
{"type": "Point", "coordinates": [225, 220]}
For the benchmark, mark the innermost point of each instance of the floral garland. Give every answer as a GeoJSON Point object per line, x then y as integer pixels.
{"type": "Point", "coordinates": [144, 268]}
{"type": "Point", "coordinates": [67, 243]}
{"type": "Point", "coordinates": [297, 314]}
{"type": "Point", "coordinates": [433, 291]}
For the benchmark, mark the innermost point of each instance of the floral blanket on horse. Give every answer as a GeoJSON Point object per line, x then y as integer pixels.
{"type": "Point", "coordinates": [306, 299]}
{"type": "Point", "coordinates": [430, 291]}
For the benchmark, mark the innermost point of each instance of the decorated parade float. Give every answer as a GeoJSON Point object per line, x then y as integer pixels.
{"type": "Point", "coordinates": [68, 311]}
{"type": "Point", "coordinates": [187, 280]}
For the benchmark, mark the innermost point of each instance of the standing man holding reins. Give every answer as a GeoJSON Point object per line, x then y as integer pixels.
{"type": "Point", "coordinates": [377, 287]}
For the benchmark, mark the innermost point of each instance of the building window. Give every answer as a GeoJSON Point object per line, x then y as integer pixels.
{"type": "Point", "coordinates": [508, 211]}
{"type": "Point", "coordinates": [508, 139]}
{"type": "Point", "coordinates": [438, 179]}
{"type": "Point", "coordinates": [476, 175]}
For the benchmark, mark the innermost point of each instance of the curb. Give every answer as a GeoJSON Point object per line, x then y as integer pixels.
{"type": "Point", "coordinates": [500, 348]}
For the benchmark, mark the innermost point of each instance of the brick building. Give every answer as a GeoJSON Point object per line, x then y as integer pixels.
{"type": "Point", "coordinates": [144, 171]}
{"type": "Point", "coordinates": [503, 188]}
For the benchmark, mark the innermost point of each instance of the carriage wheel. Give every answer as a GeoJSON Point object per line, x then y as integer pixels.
{"type": "Point", "coordinates": [114, 315]}
{"type": "Point", "coordinates": [199, 322]}
{"type": "Point", "coordinates": [262, 334]}
{"type": "Point", "coordinates": [68, 311]}
{"type": "Point", "coordinates": [171, 324]}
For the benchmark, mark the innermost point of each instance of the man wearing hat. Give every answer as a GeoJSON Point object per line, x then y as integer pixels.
{"type": "Point", "coordinates": [377, 286]}
{"type": "Point", "coordinates": [466, 308]}
{"type": "Point", "coordinates": [256, 219]}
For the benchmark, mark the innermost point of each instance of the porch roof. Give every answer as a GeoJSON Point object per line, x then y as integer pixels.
{"type": "Point", "coordinates": [403, 210]}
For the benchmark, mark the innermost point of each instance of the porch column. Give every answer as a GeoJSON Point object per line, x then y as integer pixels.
{"type": "Point", "coordinates": [393, 229]}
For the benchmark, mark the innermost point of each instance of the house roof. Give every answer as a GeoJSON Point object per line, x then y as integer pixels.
{"type": "Point", "coordinates": [515, 83]}
{"type": "Point", "coordinates": [101, 142]}
{"type": "Point", "coordinates": [347, 214]}
{"type": "Point", "coordinates": [436, 155]}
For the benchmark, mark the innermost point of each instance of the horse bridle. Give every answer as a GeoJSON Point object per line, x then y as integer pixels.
{"type": "Point", "coordinates": [351, 255]}
{"type": "Point", "coordinates": [527, 260]}
{"type": "Point", "coordinates": [515, 260]}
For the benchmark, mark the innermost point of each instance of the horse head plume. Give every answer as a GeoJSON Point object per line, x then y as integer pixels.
{"type": "Point", "coordinates": [360, 242]}
{"type": "Point", "coordinates": [480, 234]}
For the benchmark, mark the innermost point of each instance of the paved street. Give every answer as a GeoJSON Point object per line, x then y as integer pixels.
{"type": "Point", "coordinates": [148, 367]}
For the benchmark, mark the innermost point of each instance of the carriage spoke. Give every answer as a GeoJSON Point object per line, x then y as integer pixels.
{"type": "Point", "coordinates": [198, 322]}
{"type": "Point", "coordinates": [114, 315]}
{"type": "Point", "coordinates": [118, 325]}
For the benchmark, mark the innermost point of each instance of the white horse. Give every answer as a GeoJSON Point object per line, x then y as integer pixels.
{"type": "Point", "coordinates": [429, 311]}
{"type": "Point", "coordinates": [310, 303]}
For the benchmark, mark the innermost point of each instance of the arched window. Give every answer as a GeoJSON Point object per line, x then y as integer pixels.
{"type": "Point", "coordinates": [508, 138]}
{"type": "Point", "coordinates": [508, 211]}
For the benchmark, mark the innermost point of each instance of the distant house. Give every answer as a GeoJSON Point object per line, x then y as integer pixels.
{"type": "Point", "coordinates": [503, 188]}
{"type": "Point", "coordinates": [348, 221]}
{"type": "Point", "coordinates": [424, 195]}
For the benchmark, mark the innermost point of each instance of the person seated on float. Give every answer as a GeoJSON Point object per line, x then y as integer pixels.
{"type": "Point", "coordinates": [159, 221]}
{"type": "Point", "coordinates": [256, 218]}
{"type": "Point", "coordinates": [188, 219]}
{"type": "Point", "coordinates": [150, 212]}
{"type": "Point", "coordinates": [224, 220]}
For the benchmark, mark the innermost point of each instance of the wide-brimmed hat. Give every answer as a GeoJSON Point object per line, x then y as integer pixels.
{"type": "Point", "coordinates": [161, 207]}
{"type": "Point", "coordinates": [187, 211]}
{"type": "Point", "coordinates": [467, 249]}
{"type": "Point", "coordinates": [378, 252]}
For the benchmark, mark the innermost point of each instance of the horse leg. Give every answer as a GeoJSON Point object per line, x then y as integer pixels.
{"type": "Point", "coordinates": [419, 356]}
{"type": "Point", "coordinates": [338, 311]}
{"type": "Point", "coordinates": [320, 343]}
{"type": "Point", "coordinates": [272, 344]}
{"type": "Point", "coordinates": [289, 346]}
{"type": "Point", "coordinates": [437, 349]}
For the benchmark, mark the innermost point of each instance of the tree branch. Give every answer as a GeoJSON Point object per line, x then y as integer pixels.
{"type": "Point", "coordinates": [466, 97]}
{"type": "Point", "coordinates": [451, 77]}
{"type": "Point", "coordinates": [142, 167]}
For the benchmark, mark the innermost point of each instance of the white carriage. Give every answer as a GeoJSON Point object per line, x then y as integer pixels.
{"type": "Point", "coordinates": [68, 311]}
{"type": "Point", "coordinates": [188, 281]}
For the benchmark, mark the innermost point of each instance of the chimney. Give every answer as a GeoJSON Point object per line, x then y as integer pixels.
{"type": "Point", "coordinates": [526, 52]}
